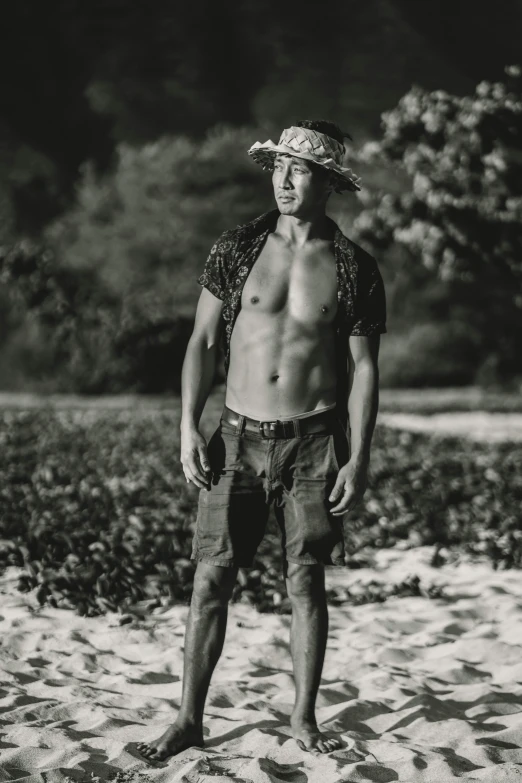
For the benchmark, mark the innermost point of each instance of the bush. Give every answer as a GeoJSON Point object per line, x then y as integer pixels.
{"type": "Point", "coordinates": [114, 279]}
{"type": "Point", "coordinates": [461, 218]}
{"type": "Point", "coordinates": [95, 509]}
{"type": "Point", "coordinates": [430, 354]}
{"type": "Point", "coordinates": [65, 312]}
{"type": "Point", "coordinates": [147, 227]}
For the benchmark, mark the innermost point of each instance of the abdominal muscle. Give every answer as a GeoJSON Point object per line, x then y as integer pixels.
{"type": "Point", "coordinates": [280, 368]}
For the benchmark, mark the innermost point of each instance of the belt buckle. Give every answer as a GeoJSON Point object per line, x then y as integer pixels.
{"type": "Point", "coordinates": [271, 426]}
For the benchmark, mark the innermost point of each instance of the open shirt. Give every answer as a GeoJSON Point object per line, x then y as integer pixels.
{"type": "Point", "coordinates": [361, 297]}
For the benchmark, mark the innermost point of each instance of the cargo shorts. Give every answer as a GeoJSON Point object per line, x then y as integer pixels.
{"type": "Point", "coordinates": [249, 472]}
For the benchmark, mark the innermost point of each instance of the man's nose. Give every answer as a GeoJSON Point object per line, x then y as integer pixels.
{"type": "Point", "coordinates": [285, 180]}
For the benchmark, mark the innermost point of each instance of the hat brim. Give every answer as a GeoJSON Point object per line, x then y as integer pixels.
{"type": "Point", "coordinates": [264, 155]}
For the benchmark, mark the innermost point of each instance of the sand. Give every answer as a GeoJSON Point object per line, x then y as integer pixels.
{"type": "Point", "coordinates": [418, 689]}
{"type": "Point", "coordinates": [474, 425]}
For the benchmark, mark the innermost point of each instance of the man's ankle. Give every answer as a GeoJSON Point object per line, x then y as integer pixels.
{"type": "Point", "coordinates": [190, 722]}
{"type": "Point", "coordinates": [300, 715]}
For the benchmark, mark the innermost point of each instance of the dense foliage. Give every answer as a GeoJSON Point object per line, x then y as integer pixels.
{"type": "Point", "coordinates": [110, 290]}
{"type": "Point", "coordinates": [461, 219]}
{"type": "Point", "coordinates": [113, 283]}
{"type": "Point", "coordinates": [95, 509]}
{"type": "Point", "coordinates": [92, 75]}
{"type": "Point", "coordinates": [146, 228]}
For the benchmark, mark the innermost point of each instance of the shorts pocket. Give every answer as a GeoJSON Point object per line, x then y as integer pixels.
{"type": "Point", "coordinates": [320, 457]}
{"type": "Point", "coordinates": [315, 458]}
{"type": "Point", "coordinates": [223, 453]}
{"type": "Point", "coordinates": [228, 429]}
{"type": "Point", "coordinates": [212, 499]}
{"type": "Point", "coordinates": [232, 464]}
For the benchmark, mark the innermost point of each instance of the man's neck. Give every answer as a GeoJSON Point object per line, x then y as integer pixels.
{"type": "Point", "coordinates": [298, 231]}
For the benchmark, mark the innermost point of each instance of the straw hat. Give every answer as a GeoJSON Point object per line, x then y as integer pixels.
{"type": "Point", "coordinates": [310, 145]}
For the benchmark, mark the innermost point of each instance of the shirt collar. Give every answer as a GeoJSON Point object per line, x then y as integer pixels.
{"type": "Point", "coordinates": [268, 221]}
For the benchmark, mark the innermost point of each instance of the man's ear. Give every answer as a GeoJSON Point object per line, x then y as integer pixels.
{"type": "Point", "coordinates": [330, 188]}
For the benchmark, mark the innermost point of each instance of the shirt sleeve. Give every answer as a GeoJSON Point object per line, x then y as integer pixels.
{"type": "Point", "coordinates": [215, 271]}
{"type": "Point", "coordinates": [370, 300]}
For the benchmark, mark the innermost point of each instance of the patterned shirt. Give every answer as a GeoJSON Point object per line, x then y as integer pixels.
{"type": "Point", "coordinates": [360, 290]}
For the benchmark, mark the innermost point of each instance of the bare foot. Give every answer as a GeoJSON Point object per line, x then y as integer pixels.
{"type": "Point", "coordinates": [309, 738]}
{"type": "Point", "coordinates": [174, 740]}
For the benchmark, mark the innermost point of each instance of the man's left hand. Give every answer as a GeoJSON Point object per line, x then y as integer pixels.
{"type": "Point", "coordinates": [350, 487]}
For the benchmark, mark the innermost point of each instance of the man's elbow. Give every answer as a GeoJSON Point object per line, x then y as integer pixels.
{"type": "Point", "coordinates": [366, 367]}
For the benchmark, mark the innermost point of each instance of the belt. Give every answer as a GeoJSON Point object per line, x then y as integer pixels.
{"type": "Point", "coordinates": [291, 428]}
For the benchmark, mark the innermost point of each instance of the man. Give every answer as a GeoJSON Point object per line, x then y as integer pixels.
{"type": "Point", "coordinates": [299, 302]}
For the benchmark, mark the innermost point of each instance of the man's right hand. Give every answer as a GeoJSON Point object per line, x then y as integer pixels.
{"type": "Point", "coordinates": [194, 457]}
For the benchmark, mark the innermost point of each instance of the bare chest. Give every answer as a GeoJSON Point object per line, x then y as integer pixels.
{"type": "Point", "coordinates": [304, 284]}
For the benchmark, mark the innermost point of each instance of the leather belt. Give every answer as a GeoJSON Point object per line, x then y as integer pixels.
{"type": "Point", "coordinates": [291, 428]}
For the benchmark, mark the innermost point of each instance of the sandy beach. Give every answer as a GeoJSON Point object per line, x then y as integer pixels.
{"type": "Point", "coordinates": [419, 689]}
{"type": "Point", "coordinates": [475, 425]}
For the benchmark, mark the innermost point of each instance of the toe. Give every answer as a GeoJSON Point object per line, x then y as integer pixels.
{"type": "Point", "coordinates": [311, 748]}
{"type": "Point", "coordinates": [160, 754]}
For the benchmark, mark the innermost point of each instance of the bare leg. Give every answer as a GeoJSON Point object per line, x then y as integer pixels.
{"type": "Point", "coordinates": [308, 635]}
{"type": "Point", "coordinates": [204, 639]}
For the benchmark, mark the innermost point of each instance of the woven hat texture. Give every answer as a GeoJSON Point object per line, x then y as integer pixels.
{"type": "Point", "coordinates": [310, 145]}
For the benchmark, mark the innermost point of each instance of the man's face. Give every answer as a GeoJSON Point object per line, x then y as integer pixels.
{"type": "Point", "coordinates": [300, 188]}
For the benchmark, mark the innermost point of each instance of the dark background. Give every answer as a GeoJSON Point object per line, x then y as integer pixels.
{"type": "Point", "coordinates": [83, 81]}
{"type": "Point", "coordinates": [81, 77]}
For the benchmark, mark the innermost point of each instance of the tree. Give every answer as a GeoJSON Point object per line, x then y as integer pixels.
{"type": "Point", "coordinates": [113, 281]}
{"type": "Point", "coordinates": [462, 217]}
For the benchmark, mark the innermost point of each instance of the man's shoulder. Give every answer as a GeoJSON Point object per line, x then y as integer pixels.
{"type": "Point", "coordinates": [254, 227]}
{"type": "Point", "coordinates": [236, 240]}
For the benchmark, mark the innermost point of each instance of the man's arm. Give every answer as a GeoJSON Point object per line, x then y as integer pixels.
{"type": "Point", "coordinates": [197, 377]}
{"type": "Point", "coordinates": [363, 400]}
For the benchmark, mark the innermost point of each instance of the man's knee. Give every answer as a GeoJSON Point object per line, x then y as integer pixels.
{"type": "Point", "coordinates": [213, 584]}
{"type": "Point", "coordinates": [305, 583]}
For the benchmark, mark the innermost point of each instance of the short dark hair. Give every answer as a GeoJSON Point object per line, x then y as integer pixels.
{"type": "Point", "coordinates": [323, 126]}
